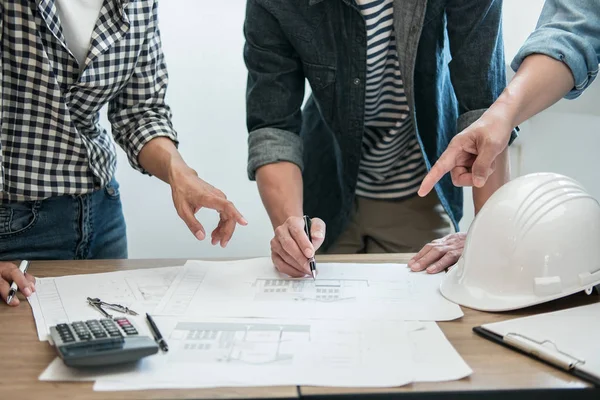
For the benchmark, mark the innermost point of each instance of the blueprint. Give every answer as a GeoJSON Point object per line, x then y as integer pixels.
{"type": "Point", "coordinates": [253, 288]}
{"type": "Point", "coordinates": [64, 299]}
{"type": "Point", "coordinates": [255, 352]}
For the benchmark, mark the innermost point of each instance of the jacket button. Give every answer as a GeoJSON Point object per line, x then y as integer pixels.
{"type": "Point", "coordinates": [356, 81]}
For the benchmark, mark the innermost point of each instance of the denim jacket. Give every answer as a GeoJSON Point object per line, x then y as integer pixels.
{"type": "Point", "coordinates": [568, 31]}
{"type": "Point", "coordinates": [452, 62]}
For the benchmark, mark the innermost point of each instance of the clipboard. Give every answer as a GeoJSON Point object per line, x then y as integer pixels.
{"type": "Point", "coordinates": [535, 337]}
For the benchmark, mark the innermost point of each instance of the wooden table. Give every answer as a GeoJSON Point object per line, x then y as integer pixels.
{"type": "Point", "coordinates": [496, 370]}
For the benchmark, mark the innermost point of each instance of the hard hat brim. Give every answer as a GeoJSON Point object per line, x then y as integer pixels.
{"type": "Point", "coordinates": [480, 300]}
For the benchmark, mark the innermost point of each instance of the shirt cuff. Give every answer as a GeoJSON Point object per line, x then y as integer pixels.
{"type": "Point", "coordinates": [145, 134]}
{"type": "Point", "coordinates": [564, 46]}
{"type": "Point", "coordinates": [465, 120]}
{"type": "Point", "coordinates": [271, 145]}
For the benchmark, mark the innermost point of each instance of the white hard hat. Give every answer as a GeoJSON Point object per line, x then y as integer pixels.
{"type": "Point", "coordinates": [536, 239]}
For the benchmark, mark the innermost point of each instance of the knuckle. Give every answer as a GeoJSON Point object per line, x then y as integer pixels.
{"type": "Point", "coordinates": [279, 231]}
{"type": "Point", "coordinates": [295, 229]}
{"type": "Point", "coordinates": [287, 242]}
{"type": "Point", "coordinates": [292, 221]}
{"type": "Point", "coordinates": [454, 253]}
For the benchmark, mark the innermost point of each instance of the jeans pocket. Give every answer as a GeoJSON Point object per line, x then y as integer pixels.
{"type": "Point", "coordinates": [112, 190]}
{"type": "Point", "coordinates": [17, 218]}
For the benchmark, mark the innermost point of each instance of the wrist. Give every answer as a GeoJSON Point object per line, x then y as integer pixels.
{"type": "Point", "coordinates": [281, 217]}
{"type": "Point", "coordinates": [177, 170]}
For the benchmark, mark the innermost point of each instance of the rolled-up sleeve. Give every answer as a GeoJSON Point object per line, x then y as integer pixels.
{"type": "Point", "coordinates": [568, 31]}
{"type": "Point", "coordinates": [139, 112]}
{"type": "Point", "coordinates": [274, 94]}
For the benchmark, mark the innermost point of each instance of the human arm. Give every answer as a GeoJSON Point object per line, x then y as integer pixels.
{"type": "Point", "coordinates": [273, 104]}
{"type": "Point", "coordinates": [477, 74]}
{"type": "Point", "coordinates": [141, 125]}
{"type": "Point", "coordinates": [559, 59]}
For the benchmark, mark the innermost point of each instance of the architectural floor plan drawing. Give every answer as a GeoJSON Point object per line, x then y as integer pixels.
{"type": "Point", "coordinates": [253, 288]}
{"type": "Point", "coordinates": [322, 290]}
{"type": "Point", "coordinates": [237, 343]}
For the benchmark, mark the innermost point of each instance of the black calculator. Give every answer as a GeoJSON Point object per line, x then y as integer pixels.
{"type": "Point", "coordinates": [101, 342]}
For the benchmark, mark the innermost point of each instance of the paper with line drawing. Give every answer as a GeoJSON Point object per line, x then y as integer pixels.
{"type": "Point", "coordinates": [64, 299]}
{"type": "Point", "coordinates": [208, 352]}
{"type": "Point", "coordinates": [253, 288]}
{"type": "Point", "coordinates": [257, 352]}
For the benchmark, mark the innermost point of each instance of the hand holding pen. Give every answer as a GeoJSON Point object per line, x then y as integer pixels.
{"type": "Point", "coordinates": [13, 279]}
{"type": "Point", "coordinates": [292, 249]}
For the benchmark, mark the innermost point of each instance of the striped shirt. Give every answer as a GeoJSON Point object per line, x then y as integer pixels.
{"type": "Point", "coordinates": [391, 166]}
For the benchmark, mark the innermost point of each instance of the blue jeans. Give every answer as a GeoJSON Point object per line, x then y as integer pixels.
{"type": "Point", "coordinates": [90, 226]}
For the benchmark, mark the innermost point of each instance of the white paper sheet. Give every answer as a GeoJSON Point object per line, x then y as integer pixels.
{"type": "Point", "coordinates": [254, 352]}
{"type": "Point", "coordinates": [64, 299]}
{"type": "Point", "coordinates": [573, 331]}
{"type": "Point", "coordinates": [253, 288]}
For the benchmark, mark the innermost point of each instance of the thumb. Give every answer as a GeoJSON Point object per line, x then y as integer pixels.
{"type": "Point", "coordinates": [483, 165]}
{"type": "Point", "coordinates": [317, 232]}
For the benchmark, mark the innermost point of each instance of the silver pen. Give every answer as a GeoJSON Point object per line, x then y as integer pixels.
{"type": "Point", "coordinates": [13, 287]}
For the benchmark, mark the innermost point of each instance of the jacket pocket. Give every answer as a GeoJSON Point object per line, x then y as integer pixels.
{"type": "Point", "coordinates": [322, 83]}
{"type": "Point", "coordinates": [17, 218]}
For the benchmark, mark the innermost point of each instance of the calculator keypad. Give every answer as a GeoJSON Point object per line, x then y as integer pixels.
{"type": "Point", "coordinates": [126, 326]}
{"type": "Point", "coordinates": [65, 333]}
{"type": "Point", "coordinates": [110, 327]}
{"type": "Point", "coordinates": [81, 331]}
{"type": "Point", "coordinates": [104, 331]}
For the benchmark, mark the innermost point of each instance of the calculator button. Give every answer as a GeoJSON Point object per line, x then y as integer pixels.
{"type": "Point", "coordinates": [99, 335]}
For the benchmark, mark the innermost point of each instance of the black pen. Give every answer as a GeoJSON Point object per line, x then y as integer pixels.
{"type": "Point", "coordinates": [156, 333]}
{"type": "Point", "coordinates": [311, 262]}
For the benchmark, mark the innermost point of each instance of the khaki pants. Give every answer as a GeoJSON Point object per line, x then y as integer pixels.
{"type": "Point", "coordinates": [384, 226]}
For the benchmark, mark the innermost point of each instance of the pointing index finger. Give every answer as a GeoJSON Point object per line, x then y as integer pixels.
{"type": "Point", "coordinates": [443, 165]}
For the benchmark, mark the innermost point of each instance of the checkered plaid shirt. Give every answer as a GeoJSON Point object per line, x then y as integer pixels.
{"type": "Point", "coordinates": [51, 141]}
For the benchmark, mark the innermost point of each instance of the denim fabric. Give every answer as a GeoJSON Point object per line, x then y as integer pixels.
{"type": "Point", "coordinates": [451, 58]}
{"type": "Point", "coordinates": [568, 31]}
{"type": "Point", "coordinates": [90, 226]}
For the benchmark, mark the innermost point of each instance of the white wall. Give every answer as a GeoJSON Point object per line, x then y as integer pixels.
{"type": "Point", "coordinates": [203, 46]}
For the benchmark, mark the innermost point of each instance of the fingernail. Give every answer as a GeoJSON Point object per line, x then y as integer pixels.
{"type": "Point", "coordinates": [478, 181]}
{"type": "Point", "coordinates": [244, 221]}
{"type": "Point", "coordinates": [27, 292]}
{"type": "Point", "coordinates": [224, 244]}
{"type": "Point", "coordinates": [431, 270]}
{"type": "Point", "coordinates": [200, 235]}
{"type": "Point", "coordinates": [318, 235]}
{"type": "Point", "coordinates": [308, 252]}
{"type": "Point", "coordinates": [415, 266]}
